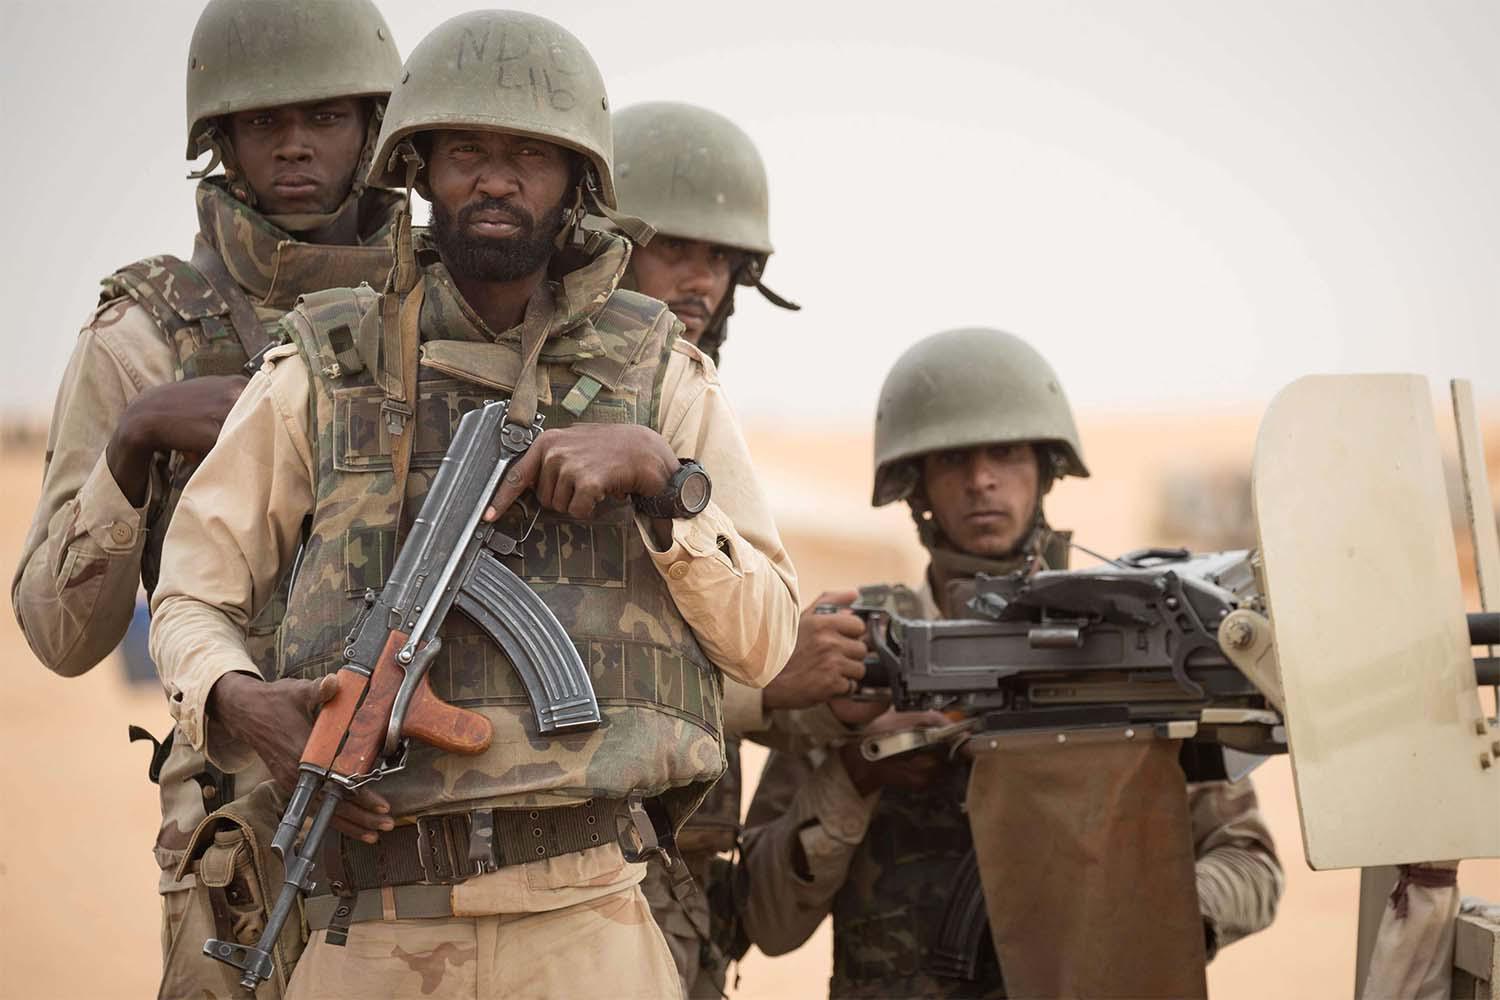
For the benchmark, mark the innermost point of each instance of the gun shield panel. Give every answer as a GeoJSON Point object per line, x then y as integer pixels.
{"type": "Point", "coordinates": [1390, 751]}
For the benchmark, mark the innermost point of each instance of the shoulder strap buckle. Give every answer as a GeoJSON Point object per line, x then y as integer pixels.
{"type": "Point", "coordinates": [396, 415]}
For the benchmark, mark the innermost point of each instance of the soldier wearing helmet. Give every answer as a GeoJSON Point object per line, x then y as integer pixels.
{"type": "Point", "coordinates": [698, 180]}
{"type": "Point", "coordinates": [288, 97]}
{"type": "Point", "coordinates": [501, 121]}
{"type": "Point", "coordinates": [972, 429]}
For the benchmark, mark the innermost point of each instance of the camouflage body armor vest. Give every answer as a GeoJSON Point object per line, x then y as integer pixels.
{"type": "Point", "coordinates": [715, 826]}
{"type": "Point", "coordinates": [916, 869]}
{"type": "Point", "coordinates": [263, 269]}
{"type": "Point", "coordinates": [225, 304]}
{"type": "Point", "coordinates": [603, 362]}
{"type": "Point", "coordinates": [888, 914]}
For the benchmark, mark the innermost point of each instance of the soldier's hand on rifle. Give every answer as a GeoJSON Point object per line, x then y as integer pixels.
{"type": "Point", "coordinates": [912, 771]}
{"type": "Point", "coordinates": [828, 659]}
{"type": "Point", "coordinates": [178, 416]}
{"type": "Point", "coordinates": [571, 469]}
{"type": "Point", "coordinates": [275, 719]}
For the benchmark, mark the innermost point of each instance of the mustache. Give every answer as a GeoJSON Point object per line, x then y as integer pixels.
{"type": "Point", "coordinates": [697, 303]}
{"type": "Point", "coordinates": [515, 214]}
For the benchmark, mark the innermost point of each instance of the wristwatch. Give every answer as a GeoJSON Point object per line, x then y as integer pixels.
{"type": "Point", "coordinates": [686, 494]}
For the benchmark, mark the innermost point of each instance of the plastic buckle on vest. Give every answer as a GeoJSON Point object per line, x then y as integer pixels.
{"type": "Point", "coordinates": [396, 416]}
{"type": "Point", "coordinates": [642, 838]}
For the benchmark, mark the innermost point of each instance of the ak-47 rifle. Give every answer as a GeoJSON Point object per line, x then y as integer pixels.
{"type": "Point", "coordinates": [1160, 644]}
{"type": "Point", "coordinates": [384, 699]}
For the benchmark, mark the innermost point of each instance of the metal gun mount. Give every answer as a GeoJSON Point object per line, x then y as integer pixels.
{"type": "Point", "coordinates": [1129, 651]}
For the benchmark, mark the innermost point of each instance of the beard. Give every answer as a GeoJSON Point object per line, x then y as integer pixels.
{"type": "Point", "coordinates": [482, 258]}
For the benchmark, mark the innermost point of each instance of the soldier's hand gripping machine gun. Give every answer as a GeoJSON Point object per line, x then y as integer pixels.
{"type": "Point", "coordinates": [384, 699]}
{"type": "Point", "coordinates": [1161, 644]}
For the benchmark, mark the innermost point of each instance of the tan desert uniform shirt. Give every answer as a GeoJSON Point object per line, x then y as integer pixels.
{"type": "Point", "coordinates": [239, 520]}
{"type": "Point", "coordinates": [74, 590]}
{"type": "Point", "coordinates": [810, 799]}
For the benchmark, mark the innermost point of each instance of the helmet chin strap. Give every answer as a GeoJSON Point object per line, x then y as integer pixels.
{"type": "Point", "coordinates": [717, 330]}
{"type": "Point", "coordinates": [638, 230]}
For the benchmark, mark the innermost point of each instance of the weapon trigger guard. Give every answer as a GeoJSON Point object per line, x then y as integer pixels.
{"type": "Point", "coordinates": [416, 669]}
{"type": "Point", "coordinates": [535, 511]}
{"type": "Point", "coordinates": [508, 545]}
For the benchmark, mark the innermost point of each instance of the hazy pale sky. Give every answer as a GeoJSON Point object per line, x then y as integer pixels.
{"type": "Point", "coordinates": [1179, 204]}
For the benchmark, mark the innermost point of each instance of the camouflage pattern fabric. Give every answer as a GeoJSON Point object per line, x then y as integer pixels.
{"type": "Point", "coordinates": [272, 268]}
{"type": "Point", "coordinates": [658, 692]}
{"type": "Point", "coordinates": [520, 956]}
{"type": "Point", "coordinates": [235, 875]}
{"type": "Point", "coordinates": [275, 268]}
{"type": "Point", "coordinates": [713, 827]}
{"type": "Point", "coordinates": [702, 966]}
{"type": "Point", "coordinates": [893, 902]}
{"type": "Point", "coordinates": [693, 927]}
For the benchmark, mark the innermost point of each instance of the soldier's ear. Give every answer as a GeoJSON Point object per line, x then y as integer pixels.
{"type": "Point", "coordinates": [1048, 465]}
{"type": "Point", "coordinates": [422, 143]}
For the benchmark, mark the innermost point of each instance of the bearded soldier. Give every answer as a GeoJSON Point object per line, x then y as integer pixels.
{"type": "Point", "coordinates": [698, 180]}
{"type": "Point", "coordinates": [288, 97]}
{"type": "Point", "coordinates": [972, 430]}
{"type": "Point", "coordinates": [502, 122]}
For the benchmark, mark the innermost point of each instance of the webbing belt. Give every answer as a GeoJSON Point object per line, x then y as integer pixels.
{"type": "Point", "coordinates": [242, 318]}
{"type": "Point", "coordinates": [408, 871]}
{"type": "Point", "coordinates": [446, 848]}
{"type": "Point", "coordinates": [405, 902]}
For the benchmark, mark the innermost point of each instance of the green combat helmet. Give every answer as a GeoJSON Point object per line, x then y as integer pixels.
{"type": "Point", "coordinates": [694, 174]}
{"type": "Point", "coordinates": [964, 388]}
{"type": "Point", "coordinates": [512, 72]}
{"type": "Point", "coordinates": [248, 54]}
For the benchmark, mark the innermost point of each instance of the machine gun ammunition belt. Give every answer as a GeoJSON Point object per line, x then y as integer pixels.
{"type": "Point", "coordinates": [447, 848]}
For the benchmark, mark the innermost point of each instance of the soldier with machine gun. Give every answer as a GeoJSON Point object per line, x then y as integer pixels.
{"type": "Point", "coordinates": [972, 430]}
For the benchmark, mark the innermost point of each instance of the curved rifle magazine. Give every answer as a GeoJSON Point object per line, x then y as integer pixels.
{"type": "Point", "coordinates": [521, 624]}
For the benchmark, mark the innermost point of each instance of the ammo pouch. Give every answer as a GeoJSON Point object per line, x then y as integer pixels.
{"type": "Point", "coordinates": [236, 880]}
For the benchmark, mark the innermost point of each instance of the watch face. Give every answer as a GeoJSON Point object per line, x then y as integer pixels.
{"type": "Point", "coordinates": [695, 490]}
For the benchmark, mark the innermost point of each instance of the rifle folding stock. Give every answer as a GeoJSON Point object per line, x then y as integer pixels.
{"type": "Point", "coordinates": [384, 699]}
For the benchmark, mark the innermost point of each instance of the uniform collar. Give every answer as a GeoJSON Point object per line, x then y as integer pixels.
{"type": "Point", "coordinates": [950, 574]}
{"type": "Point", "coordinates": [271, 264]}
{"type": "Point", "coordinates": [567, 305]}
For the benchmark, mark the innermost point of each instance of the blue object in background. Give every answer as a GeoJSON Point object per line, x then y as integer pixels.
{"type": "Point", "coordinates": [139, 667]}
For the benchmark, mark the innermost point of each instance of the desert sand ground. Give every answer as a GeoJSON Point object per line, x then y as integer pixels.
{"type": "Point", "coordinates": [78, 913]}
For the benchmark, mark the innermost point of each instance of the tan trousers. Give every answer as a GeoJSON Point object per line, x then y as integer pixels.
{"type": "Point", "coordinates": [608, 946]}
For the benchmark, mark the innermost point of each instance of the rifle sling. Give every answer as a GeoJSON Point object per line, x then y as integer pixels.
{"type": "Point", "coordinates": [242, 318]}
{"type": "Point", "coordinates": [404, 406]}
